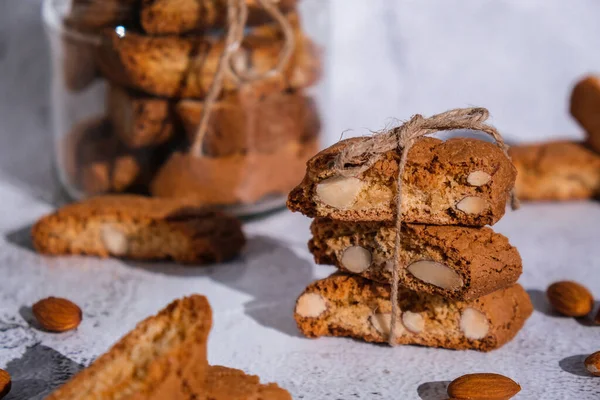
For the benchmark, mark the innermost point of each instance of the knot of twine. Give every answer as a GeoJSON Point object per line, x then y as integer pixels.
{"type": "Point", "coordinates": [359, 157]}
{"type": "Point", "coordinates": [237, 16]}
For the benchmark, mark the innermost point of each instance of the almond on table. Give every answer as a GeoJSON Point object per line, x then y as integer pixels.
{"type": "Point", "coordinates": [570, 298]}
{"type": "Point", "coordinates": [459, 181]}
{"type": "Point", "coordinates": [483, 386]}
{"type": "Point", "coordinates": [140, 228]}
{"type": "Point", "coordinates": [57, 314]}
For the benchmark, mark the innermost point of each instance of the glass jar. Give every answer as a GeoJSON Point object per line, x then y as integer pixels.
{"type": "Point", "coordinates": [132, 82]}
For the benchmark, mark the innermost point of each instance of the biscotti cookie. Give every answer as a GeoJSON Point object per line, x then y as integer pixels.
{"type": "Point", "coordinates": [184, 67]}
{"type": "Point", "coordinates": [235, 179]}
{"type": "Point", "coordinates": [98, 163]}
{"type": "Point", "coordinates": [585, 103]}
{"type": "Point", "coordinates": [348, 305]}
{"type": "Point", "coordinates": [559, 170]}
{"type": "Point", "coordinates": [140, 228]}
{"type": "Point", "coordinates": [164, 357]}
{"type": "Point", "coordinates": [245, 122]}
{"type": "Point", "coordinates": [138, 120]}
{"type": "Point", "coordinates": [173, 17]}
{"type": "Point", "coordinates": [232, 384]}
{"type": "Point", "coordinates": [451, 261]}
{"type": "Point", "coordinates": [240, 122]}
{"type": "Point", "coordinates": [460, 181]}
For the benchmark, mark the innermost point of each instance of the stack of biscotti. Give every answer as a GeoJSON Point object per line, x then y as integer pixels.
{"type": "Point", "coordinates": [159, 59]}
{"type": "Point", "coordinates": [457, 277]}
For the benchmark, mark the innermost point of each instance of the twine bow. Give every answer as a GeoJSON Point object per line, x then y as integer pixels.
{"type": "Point", "coordinates": [359, 157]}
{"type": "Point", "coordinates": [237, 16]}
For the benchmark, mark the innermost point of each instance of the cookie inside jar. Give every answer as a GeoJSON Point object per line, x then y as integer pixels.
{"type": "Point", "coordinates": [157, 77]}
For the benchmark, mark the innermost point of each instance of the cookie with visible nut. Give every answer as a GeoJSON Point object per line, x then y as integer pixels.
{"type": "Point", "coordinates": [160, 17]}
{"type": "Point", "coordinates": [351, 306]}
{"type": "Point", "coordinates": [460, 181]}
{"type": "Point", "coordinates": [163, 357]}
{"type": "Point", "coordinates": [184, 67]}
{"type": "Point", "coordinates": [141, 228]}
{"type": "Point", "coordinates": [556, 171]}
{"type": "Point", "coordinates": [454, 262]}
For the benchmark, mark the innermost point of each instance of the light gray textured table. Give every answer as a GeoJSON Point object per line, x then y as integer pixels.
{"type": "Point", "coordinates": [253, 297]}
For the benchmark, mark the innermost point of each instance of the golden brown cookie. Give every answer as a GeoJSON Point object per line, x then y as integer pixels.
{"type": "Point", "coordinates": [460, 181]}
{"type": "Point", "coordinates": [232, 384]}
{"type": "Point", "coordinates": [96, 162]}
{"type": "Point", "coordinates": [556, 171]}
{"type": "Point", "coordinates": [348, 305]}
{"type": "Point", "coordinates": [454, 262]}
{"type": "Point", "coordinates": [241, 122]}
{"type": "Point", "coordinates": [585, 103]}
{"type": "Point", "coordinates": [239, 178]}
{"type": "Point", "coordinates": [141, 228]}
{"type": "Point", "coordinates": [184, 67]}
{"type": "Point", "coordinates": [181, 16]}
{"type": "Point", "coordinates": [164, 357]}
{"type": "Point", "coordinates": [138, 120]}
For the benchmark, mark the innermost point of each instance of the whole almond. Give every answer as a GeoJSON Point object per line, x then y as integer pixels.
{"type": "Point", "coordinates": [483, 386]}
{"type": "Point", "coordinates": [56, 314]}
{"type": "Point", "coordinates": [592, 364]}
{"type": "Point", "coordinates": [5, 383]}
{"type": "Point", "coordinates": [570, 298]}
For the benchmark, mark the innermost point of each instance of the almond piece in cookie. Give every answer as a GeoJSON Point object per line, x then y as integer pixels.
{"type": "Point", "coordinates": [141, 228]}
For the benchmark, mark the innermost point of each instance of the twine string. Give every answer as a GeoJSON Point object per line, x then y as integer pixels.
{"type": "Point", "coordinates": [237, 16]}
{"type": "Point", "coordinates": [359, 157]}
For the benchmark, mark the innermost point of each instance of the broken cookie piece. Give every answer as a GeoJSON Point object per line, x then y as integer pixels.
{"type": "Point", "coordinates": [228, 384]}
{"type": "Point", "coordinates": [454, 262]}
{"type": "Point", "coordinates": [164, 357]}
{"type": "Point", "coordinates": [556, 171]}
{"type": "Point", "coordinates": [351, 306]}
{"type": "Point", "coordinates": [141, 228]}
{"type": "Point", "coordinates": [460, 181]}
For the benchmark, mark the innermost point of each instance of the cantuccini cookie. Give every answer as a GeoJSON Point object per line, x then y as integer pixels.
{"type": "Point", "coordinates": [98, 163]}
{"type": "Point", "coordinates": [235, 179]}
{"type": "Point", "coordinates": [351, 306]}
{"type": "Point", "coordinates": [558, 170]}
{"type": "Point", "coordinates": [138, 120]}
{"type": "Point", "coordinates": [175, 17]}
{"type": "Point", "coordinates": [232, 384]}
{"type": "Point", "coordinates": [585, 103]}
{"type": "Point", "coordinates": [184, 67]}
{"type": "Point", "coordinates": [140, 228]}
{"type": "Point", "coordinates": [164, 357]}
{"type": "Point", "coordinates": [241, 122]}
{"type": "Point", "coordinates": [460, 181]}
{"type": "Point", "coordinates": [454, 262]}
